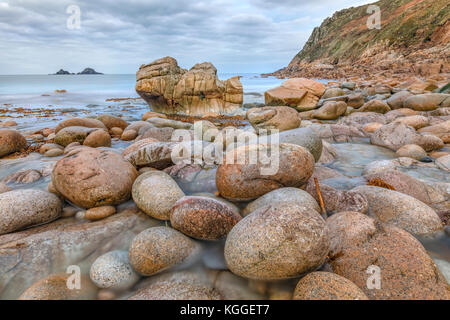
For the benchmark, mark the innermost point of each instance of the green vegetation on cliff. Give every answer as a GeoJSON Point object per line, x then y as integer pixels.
{"type": "Point", "coordinates": [404, 24]}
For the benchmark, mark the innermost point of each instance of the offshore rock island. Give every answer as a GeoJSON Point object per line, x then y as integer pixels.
{"type": "Point", "coordinates": [85, 71]}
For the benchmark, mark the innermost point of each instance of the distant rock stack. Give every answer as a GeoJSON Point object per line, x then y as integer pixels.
{"type": "Point", "coordinates": [85, 71]}
{"type": "Point", "coordinates": [89, 71]}
{"type": "Point", "coordinates": [170, 89]}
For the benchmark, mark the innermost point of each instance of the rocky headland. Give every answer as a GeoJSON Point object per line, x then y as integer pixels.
{"type": "Point", "coordinates": [413, 40]}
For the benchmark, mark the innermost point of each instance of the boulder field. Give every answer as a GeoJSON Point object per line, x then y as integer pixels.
{"type": "Point", "coordinates": [298, 198]}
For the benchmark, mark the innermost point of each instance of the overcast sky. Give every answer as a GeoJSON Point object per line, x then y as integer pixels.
{"type": "Point", "coordinates": [118, 36]}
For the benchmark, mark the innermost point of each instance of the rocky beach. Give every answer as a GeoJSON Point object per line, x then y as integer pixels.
{"type": "Point", "coordinates": [326, 180]}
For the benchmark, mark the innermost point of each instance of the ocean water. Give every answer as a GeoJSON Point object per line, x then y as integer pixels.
{"type": "Point", "coordinates": [88, 95]}
{"type": "Point", "coordinates": [28, 89]}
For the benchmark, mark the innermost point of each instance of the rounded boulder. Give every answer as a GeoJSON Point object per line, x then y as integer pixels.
{"type": "Point", "coordinates": [277, 242]}
{"type": "Point", "coordinates": [90, 177]}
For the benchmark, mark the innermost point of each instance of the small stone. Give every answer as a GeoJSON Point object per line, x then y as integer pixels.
{"type": "Point", "coordinates": [113, 271]}
{"type": "Point", "coordinates": [115, 131]}
{"type": "Point", "coordinates": [99, 213]}
{"type": "Point", "coordinates": [9, 123]}
{"type": "Point", "coordinates": [129, 134]}
{"type": "Point", "coordinates": [411, 151]}
{"type": "Point", "coordinates": [377, 106]}
{"type": "Point", "coordinates": [54, 287]}
{"type": "Point", "coordinates": [54, 153]}
{"type": "Point", "coordinates": [280, 196]}
{"type": "Point", "coordinates": [155, 192]}
{"type": "Point", "coordinates": [27, 207]}
{"type": "Point", "coordinates": [98, 138]}
{"type": "Point", "coordinates": [330, 110]}
{"type": "Point", "coordinates": [443, 163]}
{"type": "Point", "coordinates": [327, 286]}
{"type": "Point", "coordinates": [11, 141]}
{"type": "Point", "coordinates": [23, 176]}
{"type": "Point", "coordinates": [371, 127]}
{"type": "Point", "coordinates": [181, 285]}
{"type": "Point", "coordinates": [80, 215]}
{"type": "Point", "coordinates": [203, 218]}
{"type": "Point", "coordinates": [79, 122]}
{"type": "Point", "coordinates": [105, 294]}
{"type": "Point", "coordinates": [4, 188]}
{"type": "Point", "coordinates": [111, 121]}
{"type": "Point", "coordinates": [159, 248]}
{"type": "Point", "coordinates": [426, 159]}
{"type": "Point", "coordinates": [68, 212]}
{"type": "Point", "coordinates": [48, 146]}
{"type": "Point", "coordinates": [273, 118]}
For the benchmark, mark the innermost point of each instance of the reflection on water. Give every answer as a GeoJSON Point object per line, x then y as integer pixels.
{"type": "Point", "coordinates": [353, 157]}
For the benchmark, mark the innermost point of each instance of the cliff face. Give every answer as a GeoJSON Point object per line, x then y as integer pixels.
{"type": "Point", "coordinates": [414, 39]}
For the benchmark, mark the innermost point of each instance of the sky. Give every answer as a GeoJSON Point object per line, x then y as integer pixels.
{"type": "Point", "coordinates": [116, 37]}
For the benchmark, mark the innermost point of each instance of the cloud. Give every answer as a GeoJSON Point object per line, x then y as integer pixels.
{"type": "Point", "coordinates": [118, 36]}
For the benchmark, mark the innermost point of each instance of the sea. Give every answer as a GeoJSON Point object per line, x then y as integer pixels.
{"type": "Point", "coordinates": [90, 95]}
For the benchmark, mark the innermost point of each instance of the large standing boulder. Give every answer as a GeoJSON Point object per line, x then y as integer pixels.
{"type": "Point", "coordinates": [91, 177]}
{"type": "Point", "coordinates": [273, 118]}
{"type": "Point", "coordinates": [239, 179]}
{"type": "Point", "coordinates": [170, 89]}
{"type": "Point", "coordinates": [25, 208]}
{"type": "Point", "coordinates": [360, 246]}
{"type": "Point", "coordinates": [277, 242]}
{"type": "Point", "coordinates": [11, 141]}
{"type": "Point", "coordinates": [299, 93]}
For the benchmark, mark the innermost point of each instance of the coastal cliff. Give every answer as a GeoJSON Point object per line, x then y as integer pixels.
{"type": "Point", "coordinates": [414, 38]}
